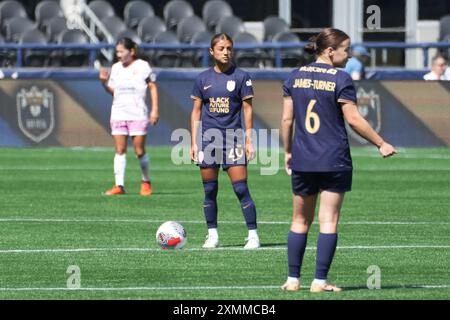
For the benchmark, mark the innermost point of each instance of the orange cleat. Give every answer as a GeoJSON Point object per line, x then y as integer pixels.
{"type": "Point", "coordinates": [114, 191]}
{"type": "Point", "coordinates": [146, 188]}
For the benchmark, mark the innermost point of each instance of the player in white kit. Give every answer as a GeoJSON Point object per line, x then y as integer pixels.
{"type": "Point", "coordinates": [128, 82]}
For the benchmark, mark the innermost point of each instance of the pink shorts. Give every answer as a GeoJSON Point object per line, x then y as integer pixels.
{"type": "Point", "coordinates": [129, 127]}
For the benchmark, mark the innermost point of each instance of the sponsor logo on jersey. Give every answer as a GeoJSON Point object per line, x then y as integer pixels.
{"type": "Point", "coordinates": [219, 105]}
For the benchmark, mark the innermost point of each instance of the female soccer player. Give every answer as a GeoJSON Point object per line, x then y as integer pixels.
{"type": "Point", "coordinates": [319, 97]}
{"type": "Point", "coordinates": [128, 82]}
{"type": "Point", "coordinates": [219, 95]}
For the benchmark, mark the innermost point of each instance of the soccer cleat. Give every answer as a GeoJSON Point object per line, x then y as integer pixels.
{"type": "Point", "coordinates": [252, 243]}
{"type": "Point", "coordinates": [211, 242]}
{"type": "Point", "coordinates": [291, 286]}
{"type": "Point", "coordinates": [114, 191]}
{"type": "Point", "coordinates": [146, 188]}
{"type": "Point", "coordinates": [315, 288]}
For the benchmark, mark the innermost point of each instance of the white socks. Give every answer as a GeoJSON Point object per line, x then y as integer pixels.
{"type": "Point", "coordinates": [253, 233]}
{"type": "Point", "coordinates": [143, 161]}
{"type": "Point", "coordinates": [120, 162]}
{"type": "Point", "coordinates": [212, 232]}
{"type": "Point", "coordinates": [293, 279]}
{"type": "Point", "coordinates": [320, 281]}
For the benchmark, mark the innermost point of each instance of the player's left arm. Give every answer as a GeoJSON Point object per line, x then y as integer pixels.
{"type": "Point", "coordinates": [154, 114]}
{"type": "Point", "coordinates": [363, 128]}
{"type": "Point", "coordinates": [248, 122]}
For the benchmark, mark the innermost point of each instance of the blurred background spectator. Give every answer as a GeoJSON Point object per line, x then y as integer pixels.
{"type": "Point", "coordinates": [439, 69]}
{"type": "Point", "coordinates": [356, 65]}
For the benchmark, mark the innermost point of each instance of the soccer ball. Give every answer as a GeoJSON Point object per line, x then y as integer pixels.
{"type": "Point", "coordinates": [171, 235]}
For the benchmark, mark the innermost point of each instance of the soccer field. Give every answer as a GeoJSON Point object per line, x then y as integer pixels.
{"type": "Point", "coordinates": [53, 215]}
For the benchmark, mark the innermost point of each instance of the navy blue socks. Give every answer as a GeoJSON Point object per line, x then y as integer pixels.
{"type": "Point", "coordinates": [210, 202]}
{"type": "Point", "coordinates": [326, 246]}
{"type": "Point", "coordinates": [248, 207]}
{"type": "Point", "coordinates": [296, 249]}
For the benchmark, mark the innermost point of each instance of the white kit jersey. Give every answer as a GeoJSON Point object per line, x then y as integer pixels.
{"type": "Point", "coordinates": [130, 86]}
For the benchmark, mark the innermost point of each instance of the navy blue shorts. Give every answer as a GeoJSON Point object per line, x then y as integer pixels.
{"type": "Point", "coordinates": [309, 183]}
{"type": "Point", "coordinates": [225, 157]}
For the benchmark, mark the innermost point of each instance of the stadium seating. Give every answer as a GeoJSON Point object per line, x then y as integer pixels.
{"type": "Point", "coordinates": [290, 57]}
{"type": "Point", "coordinates": [444, 26]}
{"type": "Point", "coordinates": [175, 11]}
{"type": "Point", "coordinates": [272, 26]}
{"type": "Point", "coordinates": [34, 57]}
{"type": "Point", "coordinates": [3, 54]}
{"type": "Point", "coordinates": [149, 27]}
{"type": "Point", "coordinates": [102, 9]}
{"type": "Point", "coordinates": [10, 9]}
{"type": "Point", "coordinates": [188, 27]}
{"type": "Point", "coordinates": [73, 57]}
{"type": "Point", "coordinates": [135, 11]}
{"type": "Point", "coordinates": [196, 56]}
{"type": "Point", "coordinates": [15, 27]}
{"type": "Point", "coordinates": [46, 10]}
{"type": "Point", "coordinates": [445, 52]}
{"type": "Point", "coordinates": [114, 25]}
{"type": "Point", "coordinates": [129, 33]}
{"type": "Point", "coordinates": [165, 57]}
{"type": "Point", "coordinates": [54, 27]}
{"type": "Point", "coordinates": [213, 11]}
{"type": "Point", "coordinates": [230, 25]}
{"type": "Point", "coordinates": [247, 58]}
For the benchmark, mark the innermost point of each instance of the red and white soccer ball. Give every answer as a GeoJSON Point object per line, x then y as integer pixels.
{"type": "Point", "coordinates": [171, 235]}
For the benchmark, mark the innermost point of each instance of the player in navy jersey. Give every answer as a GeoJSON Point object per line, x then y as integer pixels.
{"type": "Point", "coordinates": [219, 95]}
{"type": "Point", "coordinates": [319, 98]}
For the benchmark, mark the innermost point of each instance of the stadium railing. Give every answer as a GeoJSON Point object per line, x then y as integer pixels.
{"type": "Point", "coordinates": [277, 47]}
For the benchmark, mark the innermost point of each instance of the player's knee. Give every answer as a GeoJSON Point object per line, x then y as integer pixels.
{"type": "Point", "coordinates": [211, 188]}
{"type": "Point", "coordinates": [301, 226]}
{"type": "Point", "coordinates": [121, 151]}
{"type": "Point", "coordinates": [139, 151]}
{"type": "Point", "coordinates": [328, 227]}
{"type": "Point", "coordinates": [241, 190]}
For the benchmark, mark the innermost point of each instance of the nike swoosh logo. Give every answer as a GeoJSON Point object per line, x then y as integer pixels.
{"type": "Point", "coordinates": [207, 87]}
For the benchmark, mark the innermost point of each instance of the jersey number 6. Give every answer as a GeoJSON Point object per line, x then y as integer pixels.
{"type": "Point", "coordinates": [312, 117]}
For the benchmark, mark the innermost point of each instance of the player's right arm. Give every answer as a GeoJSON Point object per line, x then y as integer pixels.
{"type": "Point", "coordinates": [104, 77]}
{"type": "Point", "coordinates": [195, 121]}
{"type": "Point", "coordinates": [287, 121]}
{"type": "Point", "coordinates": [363, 128]}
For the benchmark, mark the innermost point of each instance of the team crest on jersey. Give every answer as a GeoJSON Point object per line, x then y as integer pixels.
{"type": "Point", "coordinates": [35, 113]}
{"type": "Point", "coordinates": [369, 107]}
{"type": "Point", "coordinates": [231, 85]}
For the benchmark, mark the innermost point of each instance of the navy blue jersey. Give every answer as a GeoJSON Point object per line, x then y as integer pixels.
{"type": "Point", "coordinates": [222, 95]}
{"type": "Point", "coordinates": [320, 139]}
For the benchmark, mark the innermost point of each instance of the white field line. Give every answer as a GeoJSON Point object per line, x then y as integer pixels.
{"type": "Point", "coordinates": [53, 220]}
{"type": "Point", "coordinates": [191, 288]}
{"type": "Point", "coordinates": [274, 248]}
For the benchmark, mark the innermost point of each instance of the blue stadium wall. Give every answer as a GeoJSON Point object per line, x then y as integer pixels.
{"type": "Point", "coordinates": [71, 108]}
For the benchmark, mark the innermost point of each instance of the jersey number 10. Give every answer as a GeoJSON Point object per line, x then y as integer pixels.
{"type": "Point", "coordinates": [312, 117]}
